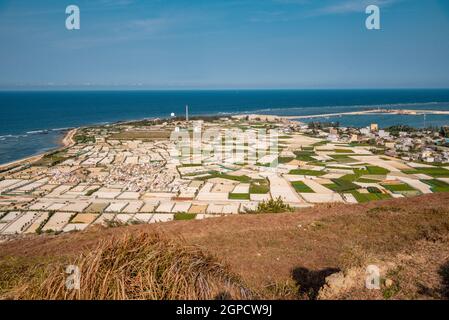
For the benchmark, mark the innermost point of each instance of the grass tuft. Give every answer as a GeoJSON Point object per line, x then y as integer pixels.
{"type": "Point", "coordinates": [143, 266]}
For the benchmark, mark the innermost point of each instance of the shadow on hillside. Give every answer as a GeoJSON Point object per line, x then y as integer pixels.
{"type": "Point", "coordinates": [310, 281]}
{"type": "Point", "coordinates": [444, 274]}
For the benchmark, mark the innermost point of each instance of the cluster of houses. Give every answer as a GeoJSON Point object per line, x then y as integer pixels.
{"type": "Point", "coordinates": [414, 145]}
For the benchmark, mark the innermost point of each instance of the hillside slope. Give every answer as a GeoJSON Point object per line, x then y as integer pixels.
{"type": "Point", "coordinates": [282, 256]}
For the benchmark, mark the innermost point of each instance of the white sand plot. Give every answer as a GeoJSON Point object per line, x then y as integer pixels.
{"type": "Point", "coordinates": [104, 218]}
{"type": "Point", "coordinates": [149, 207]}
{"type": "Point", "coordinates": [207, 194]}
{"type": "Point", "coordinates": [181, 207]}
{"type": "Point", "coordinates": [158, 196]}
{"type": "Point", "coordinates": [34, 185]}
{"type": "Point", "coordinates": [129, 195]}
{"type": "Point", "coordinates": [444, 179]}
{"type": "Point", "coordinates": [316, 187]}
{"type": "Point", "coordinates": [259, 197]}
{"type": "Point", "coordinates": [279, 187]}
{"type": "Point", "coordinates": [123, 217]}
{"type": "Point", "coordinates": [142, 217]}
{"type": "Point", "coordinates": [422, 176]}
{"type": "Point", "coordinates": [133, 207]}
{"type": "Point", "coordinates": [79, 188]}
{"type": "Point", "coordinates": [75, 227]}
{"type": "Point", "coordinates": [419, 165]}
{"type": "Point", "coordinates": [213, 208]}
{"type": "Point", "coordinates": [159, 217]}
{"type": "Point", "coordinates": [58, 191]}
{"type": "Point", "coordinates": [116, 206]}
{"type": "Point", "coordinates": [7, 184]}
{"type": "Point", "coordinates": [376, 161]}
{"type": "Point", "coordinates": [41, 217]}
{"type": "Point", "coordinates": [84, 218]}
{"type": "Point", "coordinates": [56, 206]}
{"type": "Point", "coordinates": [335, 175]}
{"type": "Point", "coordinates": [241, 188]}
{"type": "Point", "coordinates": [40, 205]}
{"type": "Point", "coordinates": [349, 198]}
{"type": "Point", "coordinates": [201, 216]}
{"type": "Point", "coordinates": [57, 221]}
{"type": "Point", "coordinates": [132, 160]}
{"type": "Point", "coordinates": [11, 216]}
{"type": "Point", "coordinates": [107, 193]}
{"type": "Point", "coordinates": [248, 206]}
{"type": "Point", "coordinates": [21, 223]}
{"type": "Point", "coordinates": [77, 206]}
{"type": "Point", "coordinates": [232, 208]}
{"type": "Point", "coordinates": [165, 207]}
{"type": "Point", "coordinates": [322, 197]}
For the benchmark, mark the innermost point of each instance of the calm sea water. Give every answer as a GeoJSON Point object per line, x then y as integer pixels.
{"type": "Point", "coordinates": [23, 115]}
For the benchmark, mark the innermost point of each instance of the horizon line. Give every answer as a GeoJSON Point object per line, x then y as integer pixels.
{"type": "Point", "coordinates": [62, 89]}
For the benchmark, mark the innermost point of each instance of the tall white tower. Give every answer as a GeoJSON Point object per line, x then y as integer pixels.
{"type": "Point", "coordinates": [187, 113]}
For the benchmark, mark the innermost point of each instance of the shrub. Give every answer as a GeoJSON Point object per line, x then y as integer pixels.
{"type": "Point", "coordinates": [272, 206]}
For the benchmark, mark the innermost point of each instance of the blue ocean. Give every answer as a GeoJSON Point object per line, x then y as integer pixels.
{"type": "Point", "coordinates": [32, 122]}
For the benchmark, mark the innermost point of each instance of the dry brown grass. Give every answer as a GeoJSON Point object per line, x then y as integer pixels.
{"type": "Point", "coordinates": [143, 266]}
{"type": "Point", "coordinates": [281, 255]}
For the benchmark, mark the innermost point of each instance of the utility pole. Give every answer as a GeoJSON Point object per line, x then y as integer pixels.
{"type": "Point", "coordinates": [187, 112]}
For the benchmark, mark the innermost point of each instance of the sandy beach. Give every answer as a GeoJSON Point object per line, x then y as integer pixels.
{"type": "Point", "coordinates": [66, 141]}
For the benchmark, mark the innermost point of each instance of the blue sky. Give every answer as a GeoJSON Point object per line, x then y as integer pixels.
{"type": "Point", "coordinates": [224, 44]}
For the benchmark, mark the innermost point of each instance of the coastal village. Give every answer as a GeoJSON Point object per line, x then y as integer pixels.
{"type": "Point", "coordinates": [134, 172]}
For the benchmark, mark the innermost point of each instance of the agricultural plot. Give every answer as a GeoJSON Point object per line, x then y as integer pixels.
{"type": "Point", "coordinates": [399, 187]}
{"type": "Point", "coordinates": [341, 185]}
{"type": "Point", "coordinates": [306, 172]}
{"type": "Point", "coordinates": [432, 171]}
{"type": "Point", "coordinates": [239, 196]}
{"type": "Point", "coordinates": [437, 185]}
{"type": "Point", "coordinates": [301, 187]}
{"type": "Point", "coordinates": [260, 186]}
{"type": "Point", "coordinates": [57, 221]}
{"type": "Point", "coordinates": [365, 197]}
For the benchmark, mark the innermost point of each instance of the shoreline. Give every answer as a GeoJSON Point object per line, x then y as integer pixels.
{"type": "Point", "coordinates": [67, 140]}
{"type": "Point", "coordinates": [64, 142]}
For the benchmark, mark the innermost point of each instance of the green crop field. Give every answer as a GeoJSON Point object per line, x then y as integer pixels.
{"type": "Point", "coordinates": [377, 170]}
{"type": "Point", "coordinates": [185, 216]}
{"type": "Point", "coordinates": [433, 172]}
{"type": "Point", "coordinates": [343, 151]}
{"type": "Point", "coordinates": [305, 155]}
{"type": "Point", "coordinates": [307, 172]}
{"type": "Point", "coordinates": [239, 196]}
{"type": "Point", "coordinates": [259, 186]}
{"type": "Point", "coordinates": [285, 159]}
{"type": "Point", "coordinates": [342, 158]}
{"type": "Point", "coordinates": [365, 197]}
{"type": "Point", "coordinates": [214, 174]}
{"type": "Point", "coordinates": [301, 187]}
{"type": "Point", "coordinates": [437, 185]}
{"type": "Point", "coordinates": [398, 187]}
{"type": "Point", "coordinates": [340, 185]}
